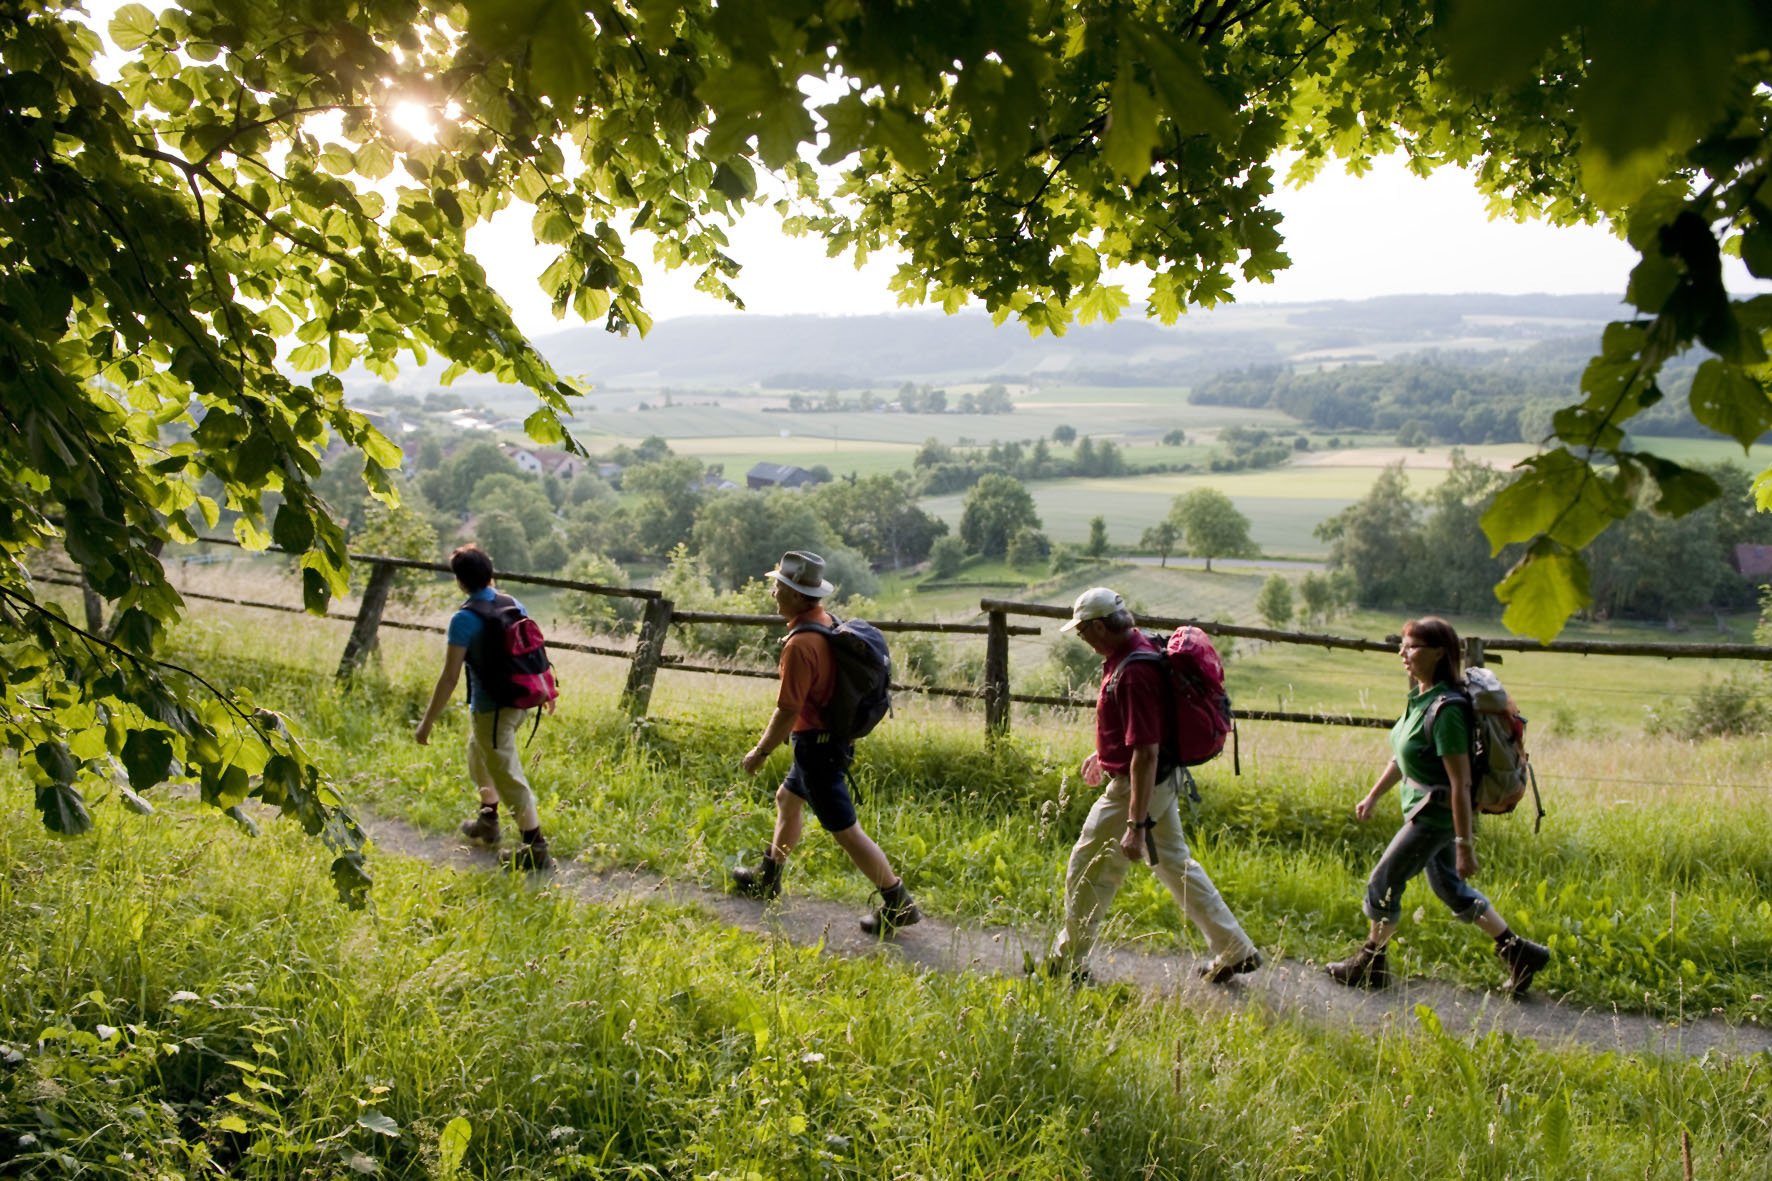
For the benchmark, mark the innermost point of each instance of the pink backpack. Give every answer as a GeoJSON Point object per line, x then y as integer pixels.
{"type": "Point", "coordinates": [1199, 706]}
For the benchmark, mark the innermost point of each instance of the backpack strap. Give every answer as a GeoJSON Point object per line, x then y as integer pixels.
{"type": "Point", "coordinates": [1167, 761]}
{"type": "Point", "coordinates": [1433, 714]}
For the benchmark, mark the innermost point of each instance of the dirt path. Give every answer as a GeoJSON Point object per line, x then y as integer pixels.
{"type": "Point", "coordinates": [1289, 988]}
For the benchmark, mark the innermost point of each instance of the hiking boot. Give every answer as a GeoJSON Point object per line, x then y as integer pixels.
{"type": "Point", "coordinates": [896, 910]}
{"type": "Point", "coordinates": [530, 857]}
{"type": "Point", "coordinates": [1366, 968]}
{"type": "Point", "coordinates": [762, 880]}
{"type": "Point", "coordinates": [483, 828]}
{"type": "Point", "coordinates": [1523, 959]}
{"type": "Point", "coordinates": [1056, 967]}
{"type": "Point", "coordinates": [1217, 973]}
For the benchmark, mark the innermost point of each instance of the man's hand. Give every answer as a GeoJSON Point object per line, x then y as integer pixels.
{"type": "Point", "coordinates": [422, 735]}
{"type": "Point", "coordinates": [753, 759]}
{"type": "Point", "coordinates": [1092, 775]}
{"type": "Point", "coordinates": [1132, 844]}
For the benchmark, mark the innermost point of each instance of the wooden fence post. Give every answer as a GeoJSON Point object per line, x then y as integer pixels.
{"type": "Point", "coordinates": [1473, 651]}
{"type": "Point", "coordinates": [655, 624]}
{"type": "Point", "coordinates": [95, 607]}
{"type": "Point", "coordinates": [996, 675]}
{"type": "Point", "coordinates": [363, 632]}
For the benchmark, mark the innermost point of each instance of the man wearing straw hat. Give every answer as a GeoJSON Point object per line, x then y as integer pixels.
{"type": "Point", "coordinates": [821, 760]}
{"type": "Point", "coordinates": [1138, 813]}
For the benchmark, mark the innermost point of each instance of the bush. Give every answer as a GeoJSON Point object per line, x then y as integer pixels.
{"type": "Point", "coordinates": [1736, 705]}
{"type": "Point", "coordinates": [1029, 547]}
{"type": "Point", "coordinates": [946, 557]}
{"type": "Point", "coordinates": [598, 613]}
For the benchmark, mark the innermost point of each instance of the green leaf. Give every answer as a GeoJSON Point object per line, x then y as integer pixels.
{"type": "Point", "coordinates": [1555, 494]}
{"type": "Point", "coordinates": [1131, 134]}
{"type": "Point", "coordinates": [379, 1123]}
{"type": "Point", "coordinates": [133, 27]}
{"type": "Point", "coordinates": [735, 178]}
{"type": "Point", "coordinates": [64, 810]}
{"type": "Point", "coordinates": [452, 1145]}
{"type": "Point", "coordinates": [1543, 591]}
{"type": "Point", "coordinates": [1680, 489]}
{"type": "Point", "coordinates": [544, 427]}
{"type": "Point", "coordinates": [147, 758]}
{"type": "Point", "coordinates": [351, 880]}
{"type": "Point", "coordinates": [337, 160]}
{"type": "Point", "coordinates": [1179, 76]}
{"type": "Point", "coordinates": [294, 527]}
{"type": "Point", "coordinates": [1731, 402]}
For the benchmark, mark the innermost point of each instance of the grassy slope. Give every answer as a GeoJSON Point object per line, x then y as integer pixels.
{"type": "Point", "coordinates": [183, 1001]}
{"type": "Point", "coordinates": [1637, 824]}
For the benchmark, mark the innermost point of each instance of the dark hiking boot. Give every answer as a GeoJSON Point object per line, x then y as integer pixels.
{"type": "Point", "coordinates": [530, 857]}
{"type": "Point", "coordinates": [1523, 959]}
{"type": "Point", "coordinates": [483, 828]}
{"type": "Point", "coordinates": [1366, 968]}
{"type": "Point", "coordinates": [1222, 973]}
{"type": "Point", "coordinates": [896, 910]}
{"type": "Point", "coordinates": [762, 880]}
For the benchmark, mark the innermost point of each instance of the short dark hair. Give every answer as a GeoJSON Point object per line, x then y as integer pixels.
{"type": "Point", "coordinates": [1433, 632]}
{"type": "Point", "coordinates": [472, 568]}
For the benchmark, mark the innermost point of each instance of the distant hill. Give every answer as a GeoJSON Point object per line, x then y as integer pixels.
{"type": "Point", "coordinates": [880, 352]}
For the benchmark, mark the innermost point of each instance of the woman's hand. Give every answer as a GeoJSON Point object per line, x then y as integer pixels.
{"type": "Point", "coordinates": [1466, 857]}
{"type": "Point", "coordinates": [1363, 809]}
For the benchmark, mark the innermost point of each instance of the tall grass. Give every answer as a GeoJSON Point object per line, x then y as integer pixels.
{"type": "Point", "coordinates": [180, 1000]}
{"type": "Point", "coordinates": [1652, 880]}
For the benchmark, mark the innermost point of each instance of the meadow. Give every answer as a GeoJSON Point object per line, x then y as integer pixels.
{"type": "Point", "coordinates": [185, 1000]}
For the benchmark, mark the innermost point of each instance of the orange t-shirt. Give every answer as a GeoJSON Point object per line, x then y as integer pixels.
{"type": "Point", "coordinates": [808, 672]}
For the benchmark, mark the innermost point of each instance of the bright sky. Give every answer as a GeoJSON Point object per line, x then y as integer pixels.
{"type": "Point", "coordinates": [1385, 233]}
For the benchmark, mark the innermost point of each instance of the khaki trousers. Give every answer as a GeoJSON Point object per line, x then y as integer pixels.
{"type": "Point", "coordinates": [495, 762]}
{"type": "Point", "coordinates": [1097, 868]}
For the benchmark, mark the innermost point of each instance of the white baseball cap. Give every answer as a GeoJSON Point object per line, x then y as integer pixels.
{"type": "Point", "coordinates": [1097, 602]}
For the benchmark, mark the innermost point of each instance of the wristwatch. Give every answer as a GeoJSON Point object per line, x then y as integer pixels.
{"type": "Point", "coordinates": [1465, 841]}
{"type": "Point", "coordinates": [1147, 822]}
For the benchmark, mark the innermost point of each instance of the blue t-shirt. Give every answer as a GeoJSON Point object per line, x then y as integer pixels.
{"type": "Point", "coordinates": [464, 628]}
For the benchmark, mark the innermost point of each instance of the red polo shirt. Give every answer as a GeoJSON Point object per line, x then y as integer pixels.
{"type": "Point", "coordinates": [1132, 715]}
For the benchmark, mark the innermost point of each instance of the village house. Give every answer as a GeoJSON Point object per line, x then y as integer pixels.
{"type": "Point", "coordinates": [779, 475]}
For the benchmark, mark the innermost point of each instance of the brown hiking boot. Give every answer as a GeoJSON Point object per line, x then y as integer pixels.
{"type": "Point", "coordinates": [1523, 959]}
{"type": "Point", "coordinates": [1366, 968]}
{"type": "Point", "coordinates": [1221, 973]}
{"type": "Point", "coordinates": [896, 910]}
{"type": "Point", "coordinates": [483, 828]}
{"type": "Point", "coordinates": [530, 857]}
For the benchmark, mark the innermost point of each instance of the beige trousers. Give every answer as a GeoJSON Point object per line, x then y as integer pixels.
{"type": "Point", "coordinates": [1097, 868]}
{"type": "Point", "coordinates": [495, 761]}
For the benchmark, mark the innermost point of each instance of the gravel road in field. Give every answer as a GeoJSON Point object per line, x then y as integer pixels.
{"type": "Point", "coordinates": [1288, 987]}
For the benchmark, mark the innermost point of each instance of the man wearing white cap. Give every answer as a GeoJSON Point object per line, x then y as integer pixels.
{"type": "Point", "coordinates": [1138, 809]}
{"type": "Point", "coordinates": [821, 759]}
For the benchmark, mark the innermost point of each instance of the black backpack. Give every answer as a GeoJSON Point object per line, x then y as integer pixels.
{"type": "Point", "coordinates": [862, 696]}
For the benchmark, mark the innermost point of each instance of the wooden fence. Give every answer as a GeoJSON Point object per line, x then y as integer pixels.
{"type": "Point", "coordinates": [659, 614]}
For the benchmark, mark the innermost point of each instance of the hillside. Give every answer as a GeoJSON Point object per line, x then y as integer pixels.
{"type": "Point", "coordinates": [855, 352]}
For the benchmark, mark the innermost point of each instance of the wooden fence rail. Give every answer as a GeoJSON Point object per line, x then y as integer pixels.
{"type": "Point", "coordinates": [659, 615]}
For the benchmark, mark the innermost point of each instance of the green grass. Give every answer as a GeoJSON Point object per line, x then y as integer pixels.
{"type": "Point", "coordinates": [181, 1000]}
{"type": "Point", "coordinates": [196, 1000]}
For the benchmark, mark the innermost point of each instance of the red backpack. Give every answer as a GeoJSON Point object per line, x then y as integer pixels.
{"type": "Point", "coordinates": [1199, 708]}
{"type": "Point", "coordinates": [510, 656]}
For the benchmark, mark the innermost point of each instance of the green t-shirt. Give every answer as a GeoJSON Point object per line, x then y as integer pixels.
{"type": "Point", "coordinates": [1420, 759]}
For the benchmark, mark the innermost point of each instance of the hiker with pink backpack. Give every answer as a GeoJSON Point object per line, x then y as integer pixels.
{"type": "Point", "coordinates": [1158, 712]}
{"type": "Point", "coordinates": [509, 681]}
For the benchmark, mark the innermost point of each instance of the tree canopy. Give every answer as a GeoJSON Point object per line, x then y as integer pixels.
{"type": "Point", "coordinates": [267, 194]}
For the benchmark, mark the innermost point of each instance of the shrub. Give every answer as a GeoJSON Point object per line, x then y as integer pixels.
{"type": "Point", "coordinates": [1735, 705]}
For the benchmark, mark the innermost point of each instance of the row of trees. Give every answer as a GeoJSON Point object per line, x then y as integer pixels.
{"type": "Point", "coordinates": [911, 399]}
{"type": "Point", "coordinates": [1398, 549]}
{"type": "Point", "coordinates": [1439, 397]}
